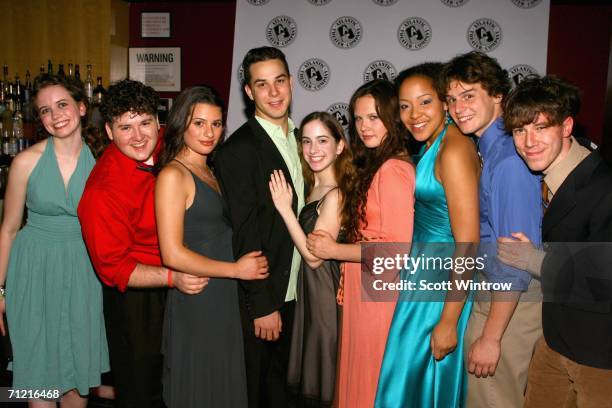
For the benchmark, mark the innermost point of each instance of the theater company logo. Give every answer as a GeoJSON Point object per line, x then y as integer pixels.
{"type": "Point", "coordinates": [313, 74]}
{"type": "Point", "coordinates": [484, 35]}
{"type": "Point", "coordinates": [319, 2]}
{"type": "Point", "coordinates": [414, 33]}
{"type": "Point", "coordinates": [519, 72]}
{"type": "Point", "coordinates": [240, 74]}
{"type": "Point", "coordinates": [340, 111]}
{"type": "Point", "coordinates": [345, 32]}
{"type": "Point", "coordinates": [257, 2]}
{"type": "Point", "coordinates": [281, 31]}
{"type": "Point", "coordinates": [385, 2]}
{"type": "Point", "coordinates": [526, 4]}
{"type": "Point", "coordinates": [454, 3]}
{"type": "Point", "coordinates": [379, 69]}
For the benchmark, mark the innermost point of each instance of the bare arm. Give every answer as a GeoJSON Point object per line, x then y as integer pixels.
{"type": "Point", "coordinates": [328, 220]}
{"type": "Point", "coordinates": [171, 198]}
{"type": "Point", "coordinates": [459, 170]}
{"type": "Point", "coordinates": [14, 203]}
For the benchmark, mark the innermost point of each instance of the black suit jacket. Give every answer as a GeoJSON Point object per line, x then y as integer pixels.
{"type": "Point", "coordinates": [577, 279]}
{"type": "Point", "coordinates": [243, 166]}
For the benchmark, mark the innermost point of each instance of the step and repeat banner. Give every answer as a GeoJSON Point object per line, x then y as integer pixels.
{"type": "Point", "coordinates": [334, 46]}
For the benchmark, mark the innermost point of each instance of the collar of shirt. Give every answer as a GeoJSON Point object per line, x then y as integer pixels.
{"type": "Point", "coordinates": [556, 175]}
{"type": "Point", "coordinates": [490, 137]}
{"type": "Point", "coordinates": [126, 165]}
{"type": "Point", "coordinates": [275, 131]}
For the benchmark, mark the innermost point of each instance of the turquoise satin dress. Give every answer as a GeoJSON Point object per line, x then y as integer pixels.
{"type": "Point", "coordinates": [410, 377]}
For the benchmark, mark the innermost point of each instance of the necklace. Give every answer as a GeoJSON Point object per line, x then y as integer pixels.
{"type": "Point", "coordinates": [204, 174]}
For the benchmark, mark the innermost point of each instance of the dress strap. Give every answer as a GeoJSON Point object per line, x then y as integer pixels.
{"type": "Point", "coordinates": [323, 198]}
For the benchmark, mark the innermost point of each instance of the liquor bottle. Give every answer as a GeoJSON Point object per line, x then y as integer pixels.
{"type": "Point", "coordinates": [18, 127]}
{"type": "Point", "coordinates": [70, 70]}
{"type": "Point", "coordinates": [5, 81]}
{"type": "Point", "coordinates": [49, 67]}
{"type": "Point", "coordinates": [18, 90]}
{"type": "Point", "coordinates": [5, 142]}
{"type": "Point", "coordinates": [13, 147]}
{"type": "Point", "coordinates": [89, 84]}
{"type": "Point", "coordinates": [7, 114]}
{"type": "Point", "coordinates": [27, 96]}
{"type": "Point", "coordinates": [98, 92]}
{"type": "Point", "coordinates": [77, 74]}
{"type": "Point", "coordinates": [42, 69]}
{"type": "Point", "coordinates": [60, 70]}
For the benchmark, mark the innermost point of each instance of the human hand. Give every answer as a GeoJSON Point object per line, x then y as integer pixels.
{"type": "Point", "coordinates": [252, 266]}
{"type": "Point", "coordinates": [321, 244]}
{"type": "Point", "coordinates": [282, 194]}
{"type": "Point", "coordinates": [515, 251]}
{"type": "Point", "coordinates": [268, 327]}
{"type": "Point", "coordinates": [483, 357]}
{"type": "Point", "coordinates": [443, 339]}
{"type": "Point", "coordinates": [189, 284]}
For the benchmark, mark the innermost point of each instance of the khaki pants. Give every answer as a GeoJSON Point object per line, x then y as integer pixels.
{"type": "Point", "coordinates": [558, 382]}
{"type": "Point", "coordinates": [506, 388]}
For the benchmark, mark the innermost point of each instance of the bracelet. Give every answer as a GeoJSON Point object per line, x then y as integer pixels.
{"type": "Point", "coordinates": [170, 283]}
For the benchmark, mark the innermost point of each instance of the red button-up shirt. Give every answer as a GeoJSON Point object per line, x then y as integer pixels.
{"type": "Point", "coordinates": [117, 215]}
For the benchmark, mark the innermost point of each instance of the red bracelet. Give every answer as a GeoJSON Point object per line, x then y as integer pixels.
{"type": "Point", "coordinates": [170, 284]}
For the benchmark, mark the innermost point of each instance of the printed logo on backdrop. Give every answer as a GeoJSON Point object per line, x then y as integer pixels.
{"type": "Point", "coordinates": [519, 72]}
{"type": "Point", "coordinates": [257, 2]}
{"type": "Point", "coordinates": [345, 32]}
{"type": "Point", "coordinates": [379, 69]}
{"type": "Point", "coordinates": [313, 74]}
{"type": "Point", "coordinates": [385, 2]}
{"type": "Point", "coordinates": [319, 2]}
{"type": "Point", "coordinates": [526, 4]}
{"type": "Point", "coordinates": [414, 33]}
{"type": "Point", "coordinates": [340, 111]}
{"type": "Point", "coordinates": [240, 74]}
{"type": "Point", "coordinates": [454, 3]}
{"type": "Point", "coordinates": [484, 35]}
{"type": "Point", "coordinates": [281, 31]}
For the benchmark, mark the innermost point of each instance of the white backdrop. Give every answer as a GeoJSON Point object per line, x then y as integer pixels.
{"type": "Point", "coordinates": [333, 46]}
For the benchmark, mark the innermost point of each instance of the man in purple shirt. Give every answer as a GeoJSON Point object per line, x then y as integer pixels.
{"type": "Point", "coordinates": [502, 331]}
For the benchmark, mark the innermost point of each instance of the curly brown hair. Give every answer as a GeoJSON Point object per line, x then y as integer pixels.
{"type": "Point", "coordinates": [92, 137]}
{"type": "Point", "coordinates": [343, 165]}
{"type": "Point", "coordinates": [128, 96]}
{"type": "Point", "coordinates": [367, 161]}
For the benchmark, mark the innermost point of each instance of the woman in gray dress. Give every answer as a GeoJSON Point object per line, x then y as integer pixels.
{"type": "Point", "coordinates": [202, 339]}
{"type": "Point", "coordinates": [328, 173]}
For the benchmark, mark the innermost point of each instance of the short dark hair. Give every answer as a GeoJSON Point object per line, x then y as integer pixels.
{"type": "Point", "coordinates": [429, 70]}
{"type": "Point", "coordinates": [477, 67]}
{"type": "Point", "coordinates": [180, 117]}
{"type": "Point", "coordinates": [550, 95]}
{"type": "Point", "coordinates": [128, 96]}
{"type": "Point", "coordinates": [260, 54]}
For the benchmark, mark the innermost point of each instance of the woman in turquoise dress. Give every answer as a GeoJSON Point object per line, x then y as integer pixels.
{"type": "Point", "coordinates": [423, 363]}
{"type": "Point", "coordinates": [53, 297]}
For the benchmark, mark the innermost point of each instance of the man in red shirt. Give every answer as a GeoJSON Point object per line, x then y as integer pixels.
{"type": "Point", "coordinates": [117, 216]}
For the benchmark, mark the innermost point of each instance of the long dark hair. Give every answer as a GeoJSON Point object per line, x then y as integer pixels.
{"type": "Point", "coordinates": [91, 135]}
{"type": "Point", "coordinates": [343, 165]}
{"type": "Point", "coordinates": [368, 161]}
{"type": "Point", "coordinates": [180, 116]}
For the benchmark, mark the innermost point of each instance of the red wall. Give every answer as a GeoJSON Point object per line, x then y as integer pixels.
{"type": "Point", "coordinates": [578, 50]}
{"type": "Point", "coordinates": [205, 33]}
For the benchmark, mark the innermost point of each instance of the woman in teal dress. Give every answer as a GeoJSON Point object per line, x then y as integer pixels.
{"type": "Point", "coordinates": [423, 363]}
{"type": "Point", "coordinates": [53, 297]}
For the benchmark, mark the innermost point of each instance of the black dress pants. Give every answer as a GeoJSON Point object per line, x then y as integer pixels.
{"type": "Point", "coordinates": [134, 322]}
{"type": "Point", "coordinates": [267, 362]}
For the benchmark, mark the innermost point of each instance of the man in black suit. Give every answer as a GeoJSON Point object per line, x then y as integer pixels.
{"type": "Point", "coordinates": [572, 363]}
{"type": "Point", "coordinates": [265, 143]}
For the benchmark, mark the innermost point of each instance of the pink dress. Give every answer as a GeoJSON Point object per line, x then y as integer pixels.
{"type": "Point", "coordinates": [365, 325]}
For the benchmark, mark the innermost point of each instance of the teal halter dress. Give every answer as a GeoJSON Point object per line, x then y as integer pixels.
{"type": "Point", "coordinates": [54, 298]}
{"type": "Point", "coordinates": [410, 377]}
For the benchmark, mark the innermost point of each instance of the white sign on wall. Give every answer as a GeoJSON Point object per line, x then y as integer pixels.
{"type": "Point", "coordinates": [158, 67]}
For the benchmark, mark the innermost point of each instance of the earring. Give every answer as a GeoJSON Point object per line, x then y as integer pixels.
{"type": "Point", "coordinates": [448, 120]}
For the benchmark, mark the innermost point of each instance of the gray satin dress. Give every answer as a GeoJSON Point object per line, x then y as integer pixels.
{"type": "Point", "coordinates": [202, 339]}
{"type": "Point", "coordinates": [314, 342]}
